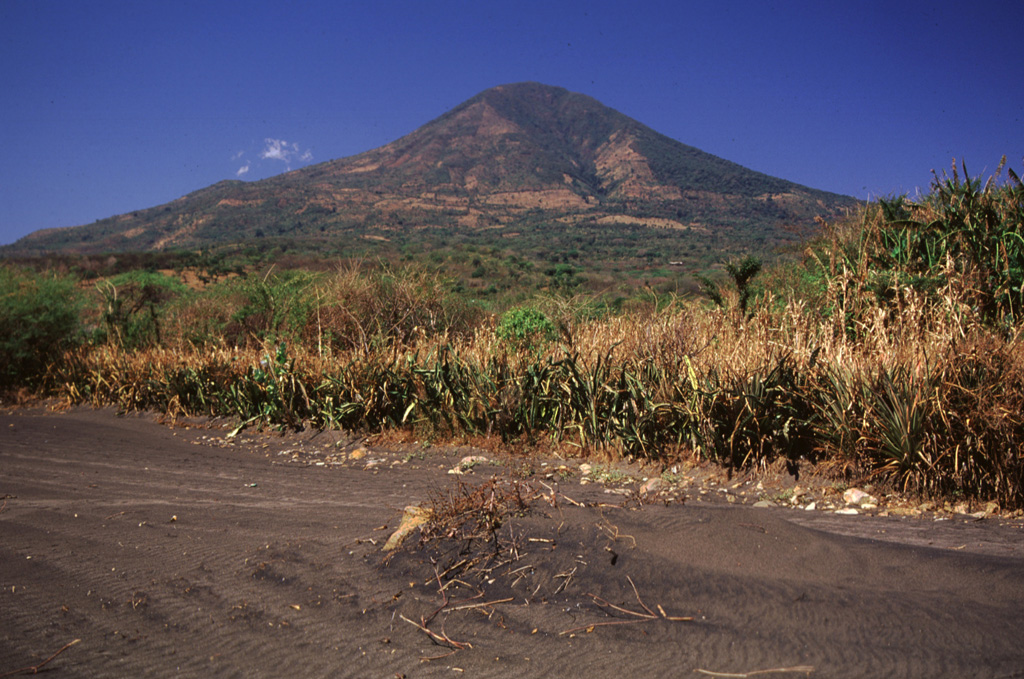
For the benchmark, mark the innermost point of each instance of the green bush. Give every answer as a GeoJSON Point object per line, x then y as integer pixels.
{"type": "Point", "coordinates": [526, 327]}
{"type": "Point", "coordinates": [39, 318]}
{"type": "Point", "coordinates": [277, 306]}
{"type": "Point", "coordinates": [134, 303]}
{"type": "Point", "coordinates": [962, 242]}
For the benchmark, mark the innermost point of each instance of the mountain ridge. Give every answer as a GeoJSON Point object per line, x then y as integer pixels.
{"type": "Point", "coordinates": [513, 156]}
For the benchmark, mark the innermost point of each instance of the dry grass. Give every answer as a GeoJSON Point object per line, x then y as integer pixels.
{"type": "Point", "coordinates": [893, 352]}
{"type": "Point", "coordinates": [931, 401]}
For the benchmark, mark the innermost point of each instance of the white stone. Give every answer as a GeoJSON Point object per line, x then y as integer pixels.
{"type": "Point", "coordinates": [471, 461]}
{"type": "Point", "coordinates": [856, 496]}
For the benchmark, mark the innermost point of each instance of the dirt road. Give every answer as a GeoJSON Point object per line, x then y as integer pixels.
{"type": "Point", "coordinates": [169, 553]}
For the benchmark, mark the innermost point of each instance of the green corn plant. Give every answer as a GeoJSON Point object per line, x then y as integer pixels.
{"type": "Point", "coordinates": [838, 414]}
{"type": "Point", "coordinates": [899, 429]}
{"type": "Point", "coordinates": [587, 395]}
{"type": "Point", "coordinates": [272, 392]}
{"type": "Point", "coordinates": [644, 425]}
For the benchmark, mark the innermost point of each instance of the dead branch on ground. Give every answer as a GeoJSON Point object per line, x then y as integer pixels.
{"type": "Point", "coordinates": [806, 669]}
{"type": "Point", "coordinates": [645, 616]}
{"type": "Point", "coordinates": [34, 669]}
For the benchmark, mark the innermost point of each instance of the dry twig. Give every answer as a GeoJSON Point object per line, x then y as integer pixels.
{"type": "Point", "coordinates": [567, 577]}
{"type": "Point", "coordinates": [807, 669]}
{"type": "Point", "coordinates": [555, 495]}
{"type": "Point", "coordinates": [34, 669]}
{"type": "Point", "coordinates": [612, 531]}
{"type": "Point", "coordinates": [441, 638]}
{"type": "Point", "coordinates": [482, 604]}
{"type": "Point", "coordinates": [640, 616]}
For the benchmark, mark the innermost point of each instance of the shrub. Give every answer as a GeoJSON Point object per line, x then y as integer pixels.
{"type": "Point", "coordinates": [133, 306]}
{"type": "Point", "coordinates": [742, 272]}
{"type": "Point", "coordinates": [526, 327]}
{"type": "Point", "coordinates": [39, 319]}
{"type": "Point", "coordinates": [276, 307]}
{"type": "Point", "coordinates": [386, 306]}
{"type": "Point", "coordinates": [961, 245]}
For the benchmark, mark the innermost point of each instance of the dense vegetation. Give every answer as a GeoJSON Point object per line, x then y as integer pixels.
{"type": "Point", "coordinates": [890, 349]}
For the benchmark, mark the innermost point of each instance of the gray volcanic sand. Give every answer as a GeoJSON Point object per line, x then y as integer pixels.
{"type": "Point", "coordinates": [168, 556]}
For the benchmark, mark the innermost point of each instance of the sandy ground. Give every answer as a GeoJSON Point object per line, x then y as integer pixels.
{"type": "Point", "coordinates": [167, 552]}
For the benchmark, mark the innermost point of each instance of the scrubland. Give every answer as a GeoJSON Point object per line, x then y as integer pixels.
{"type": "Point", "coordinates": [890, 348]}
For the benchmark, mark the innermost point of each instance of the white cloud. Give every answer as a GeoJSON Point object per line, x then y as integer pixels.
{"type": "Point", "coordinates": [289, 153]}
{"type": "Point", "coordinates": [286, 152]}
{"type": "Point", "coordinates": [277, 149]}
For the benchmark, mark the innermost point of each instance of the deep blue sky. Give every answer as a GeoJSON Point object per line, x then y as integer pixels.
{"type": "Point", "coordinates": [107, 107]}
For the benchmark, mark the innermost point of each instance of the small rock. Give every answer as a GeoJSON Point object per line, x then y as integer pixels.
{"type": "Point", "coordinates": [856, 496]}
{"type": "Point", "coordinates": [764, 503]}
{"type": "Point", "coordinates": [358, 453]}
{"type": "Point", "coordinates": [471, 461]}
{"type": "Point", "coordinates": [653, 485]}
{"type": "Point", "coordinates": [811, 507]}
{"type": "Point", "coordinates": [412, 518]}
{"type": "Point", "coordinates": [585, 468]}
{"type": "Point", "coordinates": [853, 496]}
{"type": "Point", "coordinates": [847, 511]}
{"type": "Point", "coordinates": [467, 463]}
